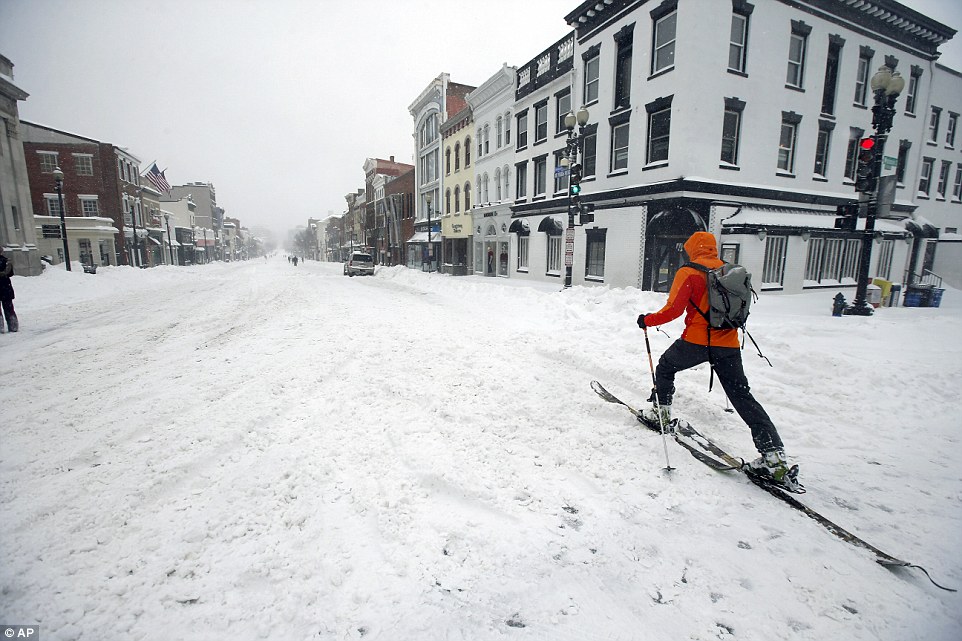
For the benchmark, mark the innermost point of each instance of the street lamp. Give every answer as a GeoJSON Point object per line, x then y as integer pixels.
{"type": "Point", "coordinates": [886, 86]}
{"type": "Point", "coordinates": [573, 145]}
{"type": "Point", "coordinates": [58, 178]}
{"type": "Point", "coordinates": [133, 225]}
{"type": "Point", "coordinates": [429, 197]}
{"type": "Point", "coordinates": [170, 240]}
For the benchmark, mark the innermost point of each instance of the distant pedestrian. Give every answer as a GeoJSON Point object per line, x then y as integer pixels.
{"type": "Point", "coordinates": [295, 261]}
{"type": "Point", "coordinates": [6, 292]}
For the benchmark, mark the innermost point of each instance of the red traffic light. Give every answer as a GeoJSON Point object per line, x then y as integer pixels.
{"type": "Point", "coordinates": [866, 143]}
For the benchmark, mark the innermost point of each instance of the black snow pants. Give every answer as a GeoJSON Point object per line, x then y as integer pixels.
{"type": "Point", "coordinates": [683, 355]}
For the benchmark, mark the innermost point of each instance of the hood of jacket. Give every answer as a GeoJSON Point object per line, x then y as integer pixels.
{"type": "Point", "coordinates": [701, 246]}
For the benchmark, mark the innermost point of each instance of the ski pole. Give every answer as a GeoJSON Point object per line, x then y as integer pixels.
{"type": "Point", "coordinates": [661, 418]}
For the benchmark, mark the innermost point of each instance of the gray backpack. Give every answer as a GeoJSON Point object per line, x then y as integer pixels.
{"type": "Point", "coordinates": [729, 295]}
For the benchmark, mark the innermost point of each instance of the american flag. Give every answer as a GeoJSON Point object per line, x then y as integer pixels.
{"type": "Point", "coordinates": [157, 179]}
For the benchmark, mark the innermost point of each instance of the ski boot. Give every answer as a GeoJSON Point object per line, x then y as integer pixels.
{"type": "Point", "coordinates": [773, 466]}
{"type": "Point", "coordinates": [655, 417]}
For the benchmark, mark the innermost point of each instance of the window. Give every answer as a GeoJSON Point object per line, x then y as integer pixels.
{"type": "Point", "coordinates": [589, 151]}
{"type": "Point", "coordinates": [506, 175]}
{"type": "Point", "coordinates": [903, 161]}
{"type": "Point", "coordinates": [912, 93]}
{"type": "Point", "coordinates": [53, 206]}
{"type": "Point", "coordinates": [883, 268]}
{"type": "Point", "coordinates": [619, 147]}
{"type": "Point", "coordinates": [797, 46]}
{"type": "Point", "coordinates": [563, 108]}
{"type": "Point", "coordinates": [541, 122]}
{"type": "Point", "coordinates": [943, 183]}
{"type": "Point", "coordinates": [507, 128]}
{"type": "Point", "coordinates": [554, 254]}
{"type": "Point", "coordinates": [429, 130]}
{"type": "Point", "coordinates": [540, 175]}
{"type": "Point", "coordinates": [457, 156]}
{"type": "Point", "coordinates": [663, 43]}
{"type": "Point", "coordinates": [84, 164]}
{"type": "Point", "coordinates": [447, 200]}
{"type": "Point", "coordinates": [934, 124]}
{"type": "Point", "coordinates": [592, 67]}
{"type": "Point", "coordinates": [467, 196]}
{"type": "Point", "coordinates": [487, 140]}
{"type": "Point", "coordinates": [521, 179]}
{"type": "Point", "coordinates": [862, 75]}
{"type": "Point", "coordinates": [659, 128]}
{"type": "Point", "coordinates": [851, 155]}
{"type": "Point", "coordinates": [925, 178]}
{"type": "Point", "coordinates": [447, 161]}
{"type": "Point", "coordinates": [731, 130]}
{"type": "Point", "coordinates": [830, 88]}
{"type": "Point", "coordinates": [457, 200]}
{"type": "Point", "coordinates": [523, 130]}
{"type": "Point", "coordinates": [595, 253]}
{"type": "Point", "coordinates": [523, 252]}
{"type": "Point", "coordinates": [480, 143]}
{"type": "Point", "coordinates": [467, 152]}
{"type": "Point", "coordinates": [773, 273]}
{"type": "Point", "coordinates": [738, 42]}
{"type": "Point", "coordinates": [822, 147]}
{"type": "Point", "coordinates": [499, 131]}
{"type": "Point", "coordinates": [832, 261]}
{"type": "Point", "coordinates": [89, 206]}
{"type": "Point", "coordinates": [957, 185]}
{"type": "Point", "coordinates": [787, 142]}
{"type": "Point", "coordinates": [48, 162]}
{"type": "Point", "coordinates": [560, 178]}
{"type": "Point", "coordinates": [950, 128]}
{"type": "Point", "coordinates": [497, 184]}
{"type": "Point", "coordinates": [624, 40]}
{"type": "Point", "coordinates": [483, 189]}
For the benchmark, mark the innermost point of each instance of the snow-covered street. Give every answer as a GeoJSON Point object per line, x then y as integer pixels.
{"type": "Point", "coordinates": [258, 451]}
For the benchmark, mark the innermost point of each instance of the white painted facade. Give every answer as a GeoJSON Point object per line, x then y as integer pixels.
{"type": "Point", "coordinates": [789, 160]}
{"type": "Point", "coordinates": [493, 106]}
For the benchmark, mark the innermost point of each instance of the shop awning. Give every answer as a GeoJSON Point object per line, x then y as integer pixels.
{"type": "Point", "coordinates": [551, 225]}
{"type": "Point", "coordinates": [154, 240]}
{"type": "Point", "coordinates": [422, 237]}
{"type": "Point", "coordinates": [520, 226]}
{"type": "Point", "coordinates": [774, 218]}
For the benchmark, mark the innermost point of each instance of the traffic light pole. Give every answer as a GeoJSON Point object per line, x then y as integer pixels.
{"type": "Point", "coordinates": [886, 92]}
{"type": "Point", "coordinates": [572, 149]}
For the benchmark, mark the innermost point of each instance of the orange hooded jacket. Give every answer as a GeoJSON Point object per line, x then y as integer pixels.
{"type": "Point", "coordinates": [691, 285]}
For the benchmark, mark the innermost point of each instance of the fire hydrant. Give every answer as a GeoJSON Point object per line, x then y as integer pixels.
{"type": "Point", "coordinates": [839, 305]}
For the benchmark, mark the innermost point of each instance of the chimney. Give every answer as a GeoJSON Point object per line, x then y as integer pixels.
{"type": "Point", "coordinates": [392, 158]}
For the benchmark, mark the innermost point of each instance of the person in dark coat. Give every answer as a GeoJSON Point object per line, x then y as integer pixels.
{"type": "Point", "coordinates": [6, 292]}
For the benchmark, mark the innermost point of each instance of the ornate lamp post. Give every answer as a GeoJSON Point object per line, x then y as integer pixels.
{"type": "Point", "coordinates": [58, 178]}
{"type": "Point", "coordinates": [572, 147]}
{"type": "Point", "coordinates": [429, 197]}
{"type": "Point", "coordinates": [170, 240]}
{"type": "Point", "coordinates": [886, 86]}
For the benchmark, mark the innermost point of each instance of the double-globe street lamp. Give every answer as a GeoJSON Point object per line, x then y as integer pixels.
{"type": "Point", "coordinates": [573, 146]}
{"type": "Point", "coordinates": [170, 240]}
{"type": "Point", "coordinates": [429, 197]}
{"type": "Point", "coordinates": [886, 87]}
{"type": "Point", "coordinates": [58, 178]}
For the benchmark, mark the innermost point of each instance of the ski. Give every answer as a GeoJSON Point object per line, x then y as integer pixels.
{"type": "Point", "coordinates": [721, 460]}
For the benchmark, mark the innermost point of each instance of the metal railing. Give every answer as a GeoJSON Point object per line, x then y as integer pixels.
{"type": "Point", "coordinates": [927, 278]}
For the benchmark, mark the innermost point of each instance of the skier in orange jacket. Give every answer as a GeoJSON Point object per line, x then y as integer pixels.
{"type": "Point", "coordinates": [690, 288]}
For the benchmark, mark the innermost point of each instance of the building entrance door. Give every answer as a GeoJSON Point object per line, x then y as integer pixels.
{"type": "Point", "coordinates": [666, 234]}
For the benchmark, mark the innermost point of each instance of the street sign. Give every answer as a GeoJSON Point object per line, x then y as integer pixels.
{"type": "Point", "coordinates": [560, 171]}
{"type": "Point", "coordinates": [569, 246]}
{"type": "Point", "coordinates": [889, 162]}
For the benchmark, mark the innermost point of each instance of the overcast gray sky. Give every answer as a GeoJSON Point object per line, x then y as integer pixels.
{"type": "Point", "coordinates": [277, 102]}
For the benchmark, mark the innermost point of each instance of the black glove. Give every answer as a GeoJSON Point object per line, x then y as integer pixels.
{"type": "Point", "coordinates": [641, 321]}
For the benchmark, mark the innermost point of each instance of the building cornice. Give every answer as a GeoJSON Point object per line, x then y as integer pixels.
{"type": "Point", "coordinates": [493, 88]}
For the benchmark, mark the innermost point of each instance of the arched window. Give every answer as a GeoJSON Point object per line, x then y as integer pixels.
{"type": "Point", "coordinates": [484, 191]}
{"type": "Point", "coordinates": [447, 200]}
{"type": "Point", "coordinates": [447, 160]}
{"type": "Point", "coordinates": [457, 156]}
{"type": "Point", "coordinates": [507, 128]}
{"type": "Point", "coordinates": [506, 176]}
{"type": "Point", "coordinates": [457, 199]}
{"type": "Point", "coordinates": [499, 132]}
{"type": "Point", "coordinates": [467, 196]}
{"type": "Point", "coordinates": [467, 152]}
{"type": "Point", "coordinates": [487, 139]}
{"type": "Point", "coordinates": [497, 184]}
{"type": "Point", "coordinates": [477, 197]}
{"type": "Point", "coordinates": [480, 138]}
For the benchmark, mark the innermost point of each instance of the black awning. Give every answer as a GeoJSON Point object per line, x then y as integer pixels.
{"type": "Point", "coordinates": [520, 226]}
{"type": "Point", "coordinates": [551, 226]}
{"type": "Point", "coordinates": [929, 231]}
{"type": "Point", "coordinates": [913, 227]}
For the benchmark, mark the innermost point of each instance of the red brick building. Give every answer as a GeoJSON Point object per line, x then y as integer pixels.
{"type": "Point", "coordinates": [100, 180]}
